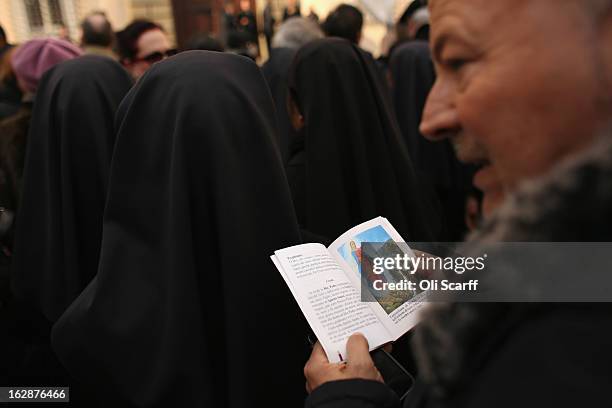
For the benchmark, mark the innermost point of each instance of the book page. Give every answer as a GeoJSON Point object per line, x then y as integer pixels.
{"type": "Point", "coordinates": [397, 310]}
{"type": "Point", "coordinates": [328, 299]}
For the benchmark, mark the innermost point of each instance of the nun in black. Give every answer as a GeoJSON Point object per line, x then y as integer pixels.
{"type": "Point", "coordinates": [187, 310]}
{"type": "Point", "coordinates": [350, 164]}
{"type": "Point", "coordinates": [413, 76]}
{"type": "Point", "coordinates": [70, 143]}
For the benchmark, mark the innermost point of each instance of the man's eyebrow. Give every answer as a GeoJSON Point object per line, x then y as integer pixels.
{"type": "Point", "coordinates": [439, 44]}
{"type": "Point", "coordinates": [447, 36]}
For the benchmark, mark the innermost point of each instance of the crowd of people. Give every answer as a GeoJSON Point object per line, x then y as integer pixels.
{"type": "Point", "coordinates": [240, 29]}
{"type": "Point", "coordinates": [143, 189]}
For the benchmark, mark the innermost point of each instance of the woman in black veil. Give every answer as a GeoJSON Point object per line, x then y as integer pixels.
{"type": "Point", "coordinates": [187, 305]}
{"type": "Point", "coordinates": [350, 163]}
{"type": "Point", "coordinates": [292, 34]}
{"type": "Point", "coordinates": [70, 144]}
{"type": "Point", "coordinates": [59, 222]}
{"type": "Point", "coordinates": [413, 76]}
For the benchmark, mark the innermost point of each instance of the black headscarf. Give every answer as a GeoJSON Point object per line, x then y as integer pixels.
{"type": "Point", "coordinates": [70, 143]}
{"type": "Point", "coordinates": [187, 309]}
{"type": "Point", "coordinates": [413, 76]}
{"type": "Point", "coordinates": [351, 164]}
{"type": "Point", "coordinates": [276, 72]}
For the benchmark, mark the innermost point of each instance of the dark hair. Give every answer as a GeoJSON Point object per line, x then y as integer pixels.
{"type": "Point", "coordinates": [205, 42]}
{"type": "Point", "coordinates": [2, 34]}
{"type": "Point", "coordinates": [422, 33]}
{"type": "Point", "coordinates": [97, 35]}
{"type": "Point", "coordinates": [345, 22]}
{"type": "Point", "coordinates": [410, 10]}
{"type": "Point", "coordinates": [238, 40]}
{"type": "Point", "coordinates": [127, 39]}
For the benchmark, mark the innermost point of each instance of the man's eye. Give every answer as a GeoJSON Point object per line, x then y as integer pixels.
{"type": "Point", "coordinates": [455, 64]}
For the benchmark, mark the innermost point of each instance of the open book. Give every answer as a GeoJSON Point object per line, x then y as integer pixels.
{"type": "Point", "coordinates": [338, 300]}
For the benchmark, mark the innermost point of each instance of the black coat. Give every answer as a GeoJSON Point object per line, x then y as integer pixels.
{"type": "Point", "coordinates": [482, 355]}
{"type": "Point", "coordinates": [10, 98]}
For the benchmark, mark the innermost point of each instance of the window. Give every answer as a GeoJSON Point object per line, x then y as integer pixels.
{"type": "Point", "coordinates": [55, 11]}
{"type": "Point", "coordinates": [35, 18]}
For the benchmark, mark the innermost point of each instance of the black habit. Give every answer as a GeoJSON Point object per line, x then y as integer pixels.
{"type": "Point", "coordinates": [70, 144]}
{"type": "Point", "coordinates": [187, 310]}
{"type": "Point", "coordinates": [413, 76]}
{"type": "Point", "coordinates": [350, 163]}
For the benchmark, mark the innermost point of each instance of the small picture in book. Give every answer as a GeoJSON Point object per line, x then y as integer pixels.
{"type": "Point", "coordinates": [380, 245]}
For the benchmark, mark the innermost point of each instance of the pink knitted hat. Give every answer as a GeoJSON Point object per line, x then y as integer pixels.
{"type": "Point", "coordinates": [33, 58]}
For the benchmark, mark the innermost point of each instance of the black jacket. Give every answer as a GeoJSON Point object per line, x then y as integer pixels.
{"type": "Point", "coordinates": [515, 355]}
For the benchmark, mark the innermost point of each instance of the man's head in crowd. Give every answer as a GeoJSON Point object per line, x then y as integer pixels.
{"type": "Point", "coordinates": [230, 8]}
{"type": "Point", "coordinates": [520, 84]}
{"type": "Point", "coordinates": [295, 32]}
{"type": "Point", "coordinates": [32, 59]}
{"type": "Point", "coordinates": [414, 23]}
{"type": "Point", "coordinates": [345, 22]}
{"type": "Point", "coordinates": [205, 42]}
{"type": "Point", "coordinates": [245, 5]}
{"type": "Point", "coordinates": [141, 44]}
{"type": "Point", "coordinates": [97, 31]}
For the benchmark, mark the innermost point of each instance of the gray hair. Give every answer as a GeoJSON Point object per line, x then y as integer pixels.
{"type": "Point", "coordinates": [296, 32]}
{"type": "Point", "coordinates": [421, 16]}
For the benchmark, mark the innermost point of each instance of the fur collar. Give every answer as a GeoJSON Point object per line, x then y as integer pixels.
{"type": "Point", "coordinates": [571, 203]}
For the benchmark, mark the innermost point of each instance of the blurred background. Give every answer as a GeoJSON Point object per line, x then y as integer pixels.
{"type": "Point", "coordinates": [185, 20]}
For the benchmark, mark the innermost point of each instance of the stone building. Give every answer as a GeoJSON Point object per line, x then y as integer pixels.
{"type": "Point", "coordinates": [26, 19]}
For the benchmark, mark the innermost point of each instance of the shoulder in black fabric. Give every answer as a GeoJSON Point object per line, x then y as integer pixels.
{"type": "Point", "coordinates": [357, 166]}
{"type": "Point", "coordinates": [70, 144]}
{"type": "Point", "coordinates": [187, 308]}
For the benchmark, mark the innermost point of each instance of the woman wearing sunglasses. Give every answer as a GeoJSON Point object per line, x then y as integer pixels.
{"type": "Point", "coordinates": [141, 44]}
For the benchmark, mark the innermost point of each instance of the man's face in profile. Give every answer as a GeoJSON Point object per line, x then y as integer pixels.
{"type": "Point", "coordinates": [520, 84]}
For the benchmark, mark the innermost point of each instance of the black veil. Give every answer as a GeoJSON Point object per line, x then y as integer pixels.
{"type": "Point", "coordinates": [351, 164]}
{"type": "Point", "coordinates": [413, 77]}
{"type": "Point", "coordinates": [187, 308]}
{"type": "Point", "coordinates": [70, 144]}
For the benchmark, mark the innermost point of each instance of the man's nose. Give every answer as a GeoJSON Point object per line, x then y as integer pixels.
{"type": "Point", "coordinates": [440, 119]}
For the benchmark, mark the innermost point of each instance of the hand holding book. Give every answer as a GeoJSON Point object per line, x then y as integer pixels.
{"type": "Point", "coordinates": [338, 300]}
{"type": "Point", "coordinates": [319, 370]}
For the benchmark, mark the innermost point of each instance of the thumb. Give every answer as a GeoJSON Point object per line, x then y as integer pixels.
{"type": "Point", "coordinates": [357, 350]}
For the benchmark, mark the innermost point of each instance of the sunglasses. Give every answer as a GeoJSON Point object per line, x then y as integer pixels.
{"type": "Point", "coordinates": [157, 56]}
